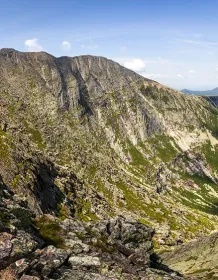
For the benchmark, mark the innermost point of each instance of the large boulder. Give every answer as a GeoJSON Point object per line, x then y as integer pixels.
{"type": "Point", "coordinates": [48, 260]}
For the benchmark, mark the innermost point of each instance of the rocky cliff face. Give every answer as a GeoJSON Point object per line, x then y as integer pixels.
{"type": "Point", "coordinates": [84, 138]}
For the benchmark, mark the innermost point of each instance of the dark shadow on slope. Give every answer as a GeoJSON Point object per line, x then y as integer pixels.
{"type": "Point", "coordinates": [214, 209]}
{"type": "Point", "coordinates": [45, 189]}
{"type": "Point", "coordinates": [156, 264]}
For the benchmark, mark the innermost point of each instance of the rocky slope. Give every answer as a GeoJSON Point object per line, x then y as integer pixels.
{"type": "Point", "coordinates": [197, 258]}
{"type": "Point", "coordinates": [84, 138]}
{"type": "Point", "coordinates": [34, 248]}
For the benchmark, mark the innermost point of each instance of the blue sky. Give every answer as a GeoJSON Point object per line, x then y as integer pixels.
{"type": "Point", "coordinates": [173, 42]}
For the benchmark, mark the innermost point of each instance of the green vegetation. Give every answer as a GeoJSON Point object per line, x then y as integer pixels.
{"type": "Point", "coordinates": [15, 181]}
{"type": "Point", "coordinates": [35, 135]}
{"type": "Point", "coordinates": [50, 231]}
{"type": "Point", "coordinates": [102, 244]}
{"type": "Point", "coordinates": [211, 154]}
{"type": "Point", "coordinates": [137, 157]}
{"type": "Point", "coordinates": [202, 270]}
{"type": "Point", "coordinates": [200, 198]}
{"type": "Point", "coordinates": [4, 148]}
{"type": "Point", "coordinates": [84, 212]}
{"type": "Point", "coordinates": [211, 122]}
{"type": "Point", "coordinates": [164, 146]}
{"type": "Point", "coordinates": [149, 91]}
{"type": "Point", "coordinates": [101, 188]}
{"type": "Point", "coordinates": [63, 211]}
{"type": "Point", "coordinates": [135, 203]}
{"type": "Point", "coordinates": [37, 138]}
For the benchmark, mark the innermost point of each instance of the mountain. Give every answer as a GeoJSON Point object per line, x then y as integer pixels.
{"type": "Point", "coordinates": [203, 92]}
{"type": "Point", "coordinates": [87, 143]}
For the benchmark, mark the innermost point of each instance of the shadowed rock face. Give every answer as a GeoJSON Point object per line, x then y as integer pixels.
{"type": "Point", "coordinates": [85, 138]}
{"type": "Point", "coordinates": [212, 99]}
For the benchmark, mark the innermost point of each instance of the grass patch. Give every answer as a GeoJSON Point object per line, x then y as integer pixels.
{"type": "Point", "coordinates": [50, 231]}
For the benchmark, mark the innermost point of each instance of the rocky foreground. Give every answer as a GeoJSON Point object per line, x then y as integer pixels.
{"type": "Point", "coordinates": [46, 248]}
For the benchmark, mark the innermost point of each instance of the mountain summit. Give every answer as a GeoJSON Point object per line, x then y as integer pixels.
{"type": "Point", "coordinates": [84, 139]}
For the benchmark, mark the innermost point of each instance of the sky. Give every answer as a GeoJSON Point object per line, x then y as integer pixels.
{"type": "Point", "coordinates": [174, 42]}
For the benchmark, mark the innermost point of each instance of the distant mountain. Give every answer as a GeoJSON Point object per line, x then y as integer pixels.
{"type": "Point", "coordinates": [203, 92]}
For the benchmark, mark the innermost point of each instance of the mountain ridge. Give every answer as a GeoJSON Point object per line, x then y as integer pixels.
{"type": "Point", "coordinates": [86, 139]}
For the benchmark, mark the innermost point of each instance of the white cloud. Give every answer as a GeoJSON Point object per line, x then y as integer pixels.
{"type": "Point", "coordinates": [135, 64]}
{"type": "Point", "coordinates": [180, 76]}
{"type": "Point", "coordinates": [66, 45]}
{"type": "Point", "coordinates": [33, 45]}
{"type": "Point", "coordinates": [191, 71]}
{"type": "Point", "coordinates": [140, 64]}
{"type": "Point", "coordinates": [216, 69]}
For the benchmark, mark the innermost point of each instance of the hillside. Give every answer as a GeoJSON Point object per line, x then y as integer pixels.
{"type": "Point", "coordinates": [198, 257]}
{"type": "Point", "coordinates": [85, 139]}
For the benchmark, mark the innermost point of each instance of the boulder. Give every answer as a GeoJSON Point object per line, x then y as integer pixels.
{"type": "Point", "coordinates": [48, 260]}
{"type": "Point", "coordinates": [28, 277]}
{"type": "Point", "coordinates": [87, 261]}
{"type": "Point", "coordinates": [5, 247]}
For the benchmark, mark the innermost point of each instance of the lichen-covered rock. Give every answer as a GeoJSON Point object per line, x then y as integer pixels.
{"type": "Point", "coordinates": [87, 261]}
{"type": "Point", "coordinates": [5, 247]}
{"type": "Point", "coordinates": [28, 277]}
{"type": "Point", "coordinates": [14, 247]}
{"type": "Point", "coordinates": [48, 260]}
{"type": "Point", "coordinates": [23, 244]}
{"type": "Point", "coordinates": [21, 266]}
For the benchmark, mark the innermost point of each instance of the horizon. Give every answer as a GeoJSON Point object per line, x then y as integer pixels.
{"type": "Point", "coordinates": [173, 44]}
